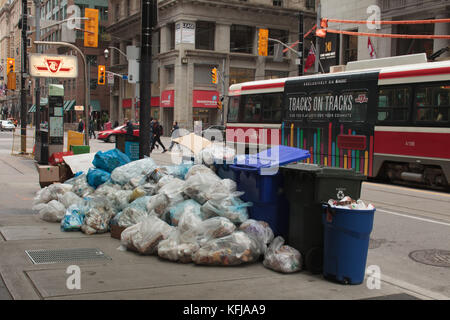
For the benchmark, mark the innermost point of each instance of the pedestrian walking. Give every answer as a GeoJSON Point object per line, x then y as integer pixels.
{"type": "Point", "coordinates": [174, 133]}
{"type": "Point", "coordinates": [91, 129]}
{"type": "Point", "coordinates": [81, 125]}
{"type": "Point", "coordinates": [116, 124]}
{"type": "Point", "coordinates": [157, 133]}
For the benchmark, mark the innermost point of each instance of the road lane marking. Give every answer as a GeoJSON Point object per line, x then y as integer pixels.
{"type": "Point", "coordinates": [413, 288]}
{"type": "Point", "coordinates": [413, 217]}
{"type": "Point", "coordinates": [442, 194]}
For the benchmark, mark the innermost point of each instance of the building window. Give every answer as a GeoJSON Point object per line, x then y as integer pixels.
{"type": "Point", "coordinates": [310, 4]}
{"type": "Point", "coordinates": [202, 74]}
{"type": "Point", "coordinates": [204, 35]}
{"type": "Point", "coordinates": [170, 71]}
{"type": "Point", "coordinates": [411, 46]}
{"type": "Point", "coordinates": [275, 74]}
{"type": "Point", "coordinates": [116, 12]}
{"type": "Point", "coordinates": [103, 13]}
{"type": "Point", "coordinates": [242, 38]}
{"type": "Point", "coordinates": [92, 60]}
{"type": "Point", "coordinates": [127, 8]}
{"type": "Point", "coordinates": [350, 48]}
{"type": "Point", "coordinates": [172, 36]}
{"type": "Point", "coordinates": [277, 3]}
{"type": "Point", "coordinates": [282, 35]}
{"type": "Point", "coordinates": [239, 75]}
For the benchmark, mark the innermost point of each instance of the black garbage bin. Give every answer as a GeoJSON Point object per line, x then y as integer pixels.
{"type": "Point", "coordinates": [306, 187]}
{"type": "Point", "coordinates": [43, 146]}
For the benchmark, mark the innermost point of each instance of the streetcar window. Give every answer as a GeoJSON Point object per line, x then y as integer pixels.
{"type": "Point", "coordinates": [233, 109]}
{"type": "Point", "coordinates": [433, 103]}
{"type": "Point", "coordinates": [256, 108]}
{"type": "Point", "coordinates": [393, 104]}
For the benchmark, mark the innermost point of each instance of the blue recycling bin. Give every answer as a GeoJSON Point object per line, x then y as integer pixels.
{"type": "Point", "coordinates": [258, 176]}
{"type": "Point", "coordinates": [346, 243]}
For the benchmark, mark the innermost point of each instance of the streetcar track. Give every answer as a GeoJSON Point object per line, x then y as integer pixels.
{"type": "Point", "coordinates": [408, 195]}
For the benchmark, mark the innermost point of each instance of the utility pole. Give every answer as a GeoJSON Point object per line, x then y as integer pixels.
{"type": "Point", "coordinates": [316, 66]}
{"type": "Point", "coordinates": [37, 81]}
{"type": "Point", "coordinates": [300, 44]}
{"type": "Point", "coordinates": [148, 15]}
{"type": "Point", "coordinates": [23, 94]}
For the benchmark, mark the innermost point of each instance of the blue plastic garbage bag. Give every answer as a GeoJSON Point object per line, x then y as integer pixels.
{"type": "Point", "coordinates": [109, 160]}
{"type": "Point", "coordinates": [177, 211]}
{"type": "Point", "coordinates": [179, 171]}
{"type": "Point", "coordinates": [97, 177]}
{"type": "Point", "coordinates": [73, 219]}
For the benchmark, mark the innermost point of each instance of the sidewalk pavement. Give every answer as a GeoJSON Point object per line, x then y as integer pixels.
{"type": "Point", "coordinates": [128, 275]}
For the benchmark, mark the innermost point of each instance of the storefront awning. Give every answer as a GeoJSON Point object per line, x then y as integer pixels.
{"type": "Point", "coordinates": [95, 105]}
{"type": "Point", "coordinates": [65, 104]}
{"type": "Point", "coordinates": [69, 105]}
{"type": "Point", "coordinates": [33, 108]}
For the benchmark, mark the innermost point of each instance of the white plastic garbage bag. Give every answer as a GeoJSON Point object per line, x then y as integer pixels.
{"type": "Point", "coordinates": [123, 174]}
{"type": "Point", "coordinates": [198, 186]}
{"type": "Point", "coordinates": [51, 192]}
{"type": "Point", "coordinates": [52, 211]}
{"type": "Point", "coordinates": [144, 236]}
{"type": "Point", "coordinates": [158, 203]}
{"type": "Point", "coordinates": [282, 258]}
{"type": "Point", "coordinates": [173, 190]}
{"type": "Point", "coordinates": [97, 217]}
{"type": "Point", "coordinates": [70, 198]}
{"type": "Point", "coordinates": [231, 207]}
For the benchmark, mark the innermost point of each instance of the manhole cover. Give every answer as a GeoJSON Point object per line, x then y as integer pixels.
{"type": "Point", "coordinates": [432, 257]}
{"type": "Point", "coordinates": [45, 256]}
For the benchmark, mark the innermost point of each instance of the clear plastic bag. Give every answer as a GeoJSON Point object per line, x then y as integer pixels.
{"type": "Point", "coordinates": [213, 228]}
{"type": "Point", "coordinates": [177, 211]}
{"type": "Point", "coordinates": [173, 191]}
{"type": "Point", "coordinates": [231, 207]}
{"type": "Point", "coordinates": [73, 219]}
{"type": "Point", "coordinates": [137, 193]}
{"type": "Point", "coordinates": [183, 242]}
{"type": "Point", "coordinates": [234, 249]}
{"type": "Point", "coordinates": [70, 198]}
{"type": "Point", "coordinates": [198, 169]}
{"type": "Point", "coordinates": [139, 168]}
{"type": "Point", "coordinates": [53, 211]}
{"type": "Point", "coordinates": [81, 187]}
{"type": "Point", "coordinates": [159, 204]}
{"type": "Point", "coordinates": [217, 153]}
{"type": "Point", "coordinates": [98, 216]}
{"type": "Point", "coordinates": [282, 258]}
{"type": "Point", "coordinates": [260, 230]}
{"type": "Point", "coordinates": [51, 192]}
{"type": "Point", "coordinates": [198, 186]}
{"type": "Point", "coordinates": [134, 213]}
{"type": "Point", "coordinates": [145, 236]}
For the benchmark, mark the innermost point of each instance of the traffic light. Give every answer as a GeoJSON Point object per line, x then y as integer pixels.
{"type": "Point", "coordinates": [214, 75]}
{"type": "Point", "coordinates": [11, 65]}
{"type": "Point", "coordinates": [101, 74]}
{"type": "Point", "coordinates": [91, 25]}
{"type": "Point", "coordinates": [263, 42]}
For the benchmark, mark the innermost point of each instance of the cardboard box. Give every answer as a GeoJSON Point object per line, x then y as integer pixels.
{"type": "Point", "coordinates": [116, 231]}
{"type": "Point", "coordinates": [48, 175]}
{"type": "Point", "coordinates": [64, 172]}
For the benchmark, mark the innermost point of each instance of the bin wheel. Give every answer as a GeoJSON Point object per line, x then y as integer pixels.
{"type": "Point", "coordinates": [112, 138]}
{"type": "Point", "coordinates": [314, 260]}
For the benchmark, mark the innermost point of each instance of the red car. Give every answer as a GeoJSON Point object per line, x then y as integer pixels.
{"type": "Point", "coordinates": [110, 135]}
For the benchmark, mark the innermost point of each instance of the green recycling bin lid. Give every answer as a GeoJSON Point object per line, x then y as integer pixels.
{"type": "Point", "coordinates": [325, 172]}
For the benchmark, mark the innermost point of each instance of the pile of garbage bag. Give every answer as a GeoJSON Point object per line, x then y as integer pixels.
{"type": "Point", "coordinates": [183, 213]}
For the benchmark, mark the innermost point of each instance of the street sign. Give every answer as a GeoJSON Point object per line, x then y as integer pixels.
{"type": "Point", "coordinates": [53, 66]}
{"type": "Point", "coordinates": [110, 78]}
{"type": "Point", "coordinates": [124, 77]}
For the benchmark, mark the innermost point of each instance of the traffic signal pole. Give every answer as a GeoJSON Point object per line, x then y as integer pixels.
{"type": "Point", "coordinates": [37, 81]}
{"type": "Point", "coordinates": [23, 93]}
{"type": "Point", "coordinates": [147, 23]}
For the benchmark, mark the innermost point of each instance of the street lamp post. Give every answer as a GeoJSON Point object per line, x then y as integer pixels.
{"type": "Point", "coordinates": [86, 89]}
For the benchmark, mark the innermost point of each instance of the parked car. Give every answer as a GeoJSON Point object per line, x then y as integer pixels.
{"type": "Point", "coordinates": [7, 125]}
{"type": "Point", "coordinates": [213, 132]}
{"type": "Point", "coordinates": [110, 135]}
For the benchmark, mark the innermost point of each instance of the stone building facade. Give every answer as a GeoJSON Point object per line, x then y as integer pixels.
{"type": "Point", "coordinates": [191, 38]}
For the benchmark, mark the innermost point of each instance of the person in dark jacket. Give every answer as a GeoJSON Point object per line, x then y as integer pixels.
{"type": "Point", "coordinates": [80, 125]}
{"type": "Point", "coordinates": [174, 134]}
{"type": "Point", "coordinates": [91, 129]}
{"type": "Point", "coordinates": [157, 132]}
{"type": "Point", "coordinates": [129, 127]}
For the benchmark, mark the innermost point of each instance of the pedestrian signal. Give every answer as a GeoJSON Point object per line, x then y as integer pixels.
{"type": "Point", "coordinates": [101, 74]}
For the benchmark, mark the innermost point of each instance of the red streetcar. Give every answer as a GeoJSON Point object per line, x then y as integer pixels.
{"type": "Point", "coordinates": [388, 122]}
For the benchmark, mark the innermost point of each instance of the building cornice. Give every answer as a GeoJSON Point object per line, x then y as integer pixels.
{"type": "Point", "coordinates": [120, 25]}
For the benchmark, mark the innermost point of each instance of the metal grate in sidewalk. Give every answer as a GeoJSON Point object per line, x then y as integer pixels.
{"type": "Point", "coordinates": [47, 256]}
